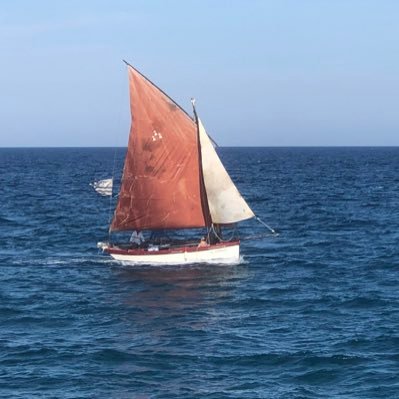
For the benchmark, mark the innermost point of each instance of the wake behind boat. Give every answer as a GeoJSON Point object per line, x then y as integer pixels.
{"type": "Point", "coordinates": [173, 180]}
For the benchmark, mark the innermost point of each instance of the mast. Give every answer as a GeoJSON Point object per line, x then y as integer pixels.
{"type": "Point", "coordinates": [204, 197]}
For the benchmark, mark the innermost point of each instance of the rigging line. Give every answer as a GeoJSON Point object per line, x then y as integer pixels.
{"type": "Point", "coordinates": [220, 238]}
{"type": "Point", "coordinates": [266, 225]}
{"type": "Point", "coordinates": [215, 144]}
{"type": "Point", "coordinates": [111, 196]}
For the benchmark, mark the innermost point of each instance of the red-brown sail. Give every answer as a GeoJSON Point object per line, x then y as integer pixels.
{"type": "Point", "coordinates": [161, 178]}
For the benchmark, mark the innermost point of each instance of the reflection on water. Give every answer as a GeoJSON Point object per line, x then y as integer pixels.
{"type": "Point", "coordinates": [166, 312]}
{"type": "Point", "coordinates": [179, 294]}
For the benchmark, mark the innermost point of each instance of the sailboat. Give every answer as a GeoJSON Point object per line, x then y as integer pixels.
{"type": "Point", "coordinates": [172, 179]}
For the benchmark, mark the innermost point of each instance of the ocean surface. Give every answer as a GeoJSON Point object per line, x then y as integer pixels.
{"type": "Point", "coordinates": [312, 313]}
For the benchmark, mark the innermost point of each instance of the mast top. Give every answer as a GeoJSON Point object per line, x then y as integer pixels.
{"type": "Point", "coordinates": [194, 110]}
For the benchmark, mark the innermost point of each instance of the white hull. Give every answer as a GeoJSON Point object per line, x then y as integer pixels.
{"type": "Point", "coordinates": [226, 254]}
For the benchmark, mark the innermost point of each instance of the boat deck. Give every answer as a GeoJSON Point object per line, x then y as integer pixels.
{"type": "Point", "coordinates": [163, 249]}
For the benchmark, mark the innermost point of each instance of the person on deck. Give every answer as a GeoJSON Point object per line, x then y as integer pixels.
{"type": "Point", "coordinates": [137, 238]}
{"type": "Point", "coordinates": [202, 243]}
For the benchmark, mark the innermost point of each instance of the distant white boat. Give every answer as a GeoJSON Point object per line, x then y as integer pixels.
{"type": "Point", "coordinates": [103, 187]}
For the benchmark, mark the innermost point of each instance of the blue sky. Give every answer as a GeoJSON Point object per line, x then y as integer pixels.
{"type": "Point", "coordinates": [270, 73]}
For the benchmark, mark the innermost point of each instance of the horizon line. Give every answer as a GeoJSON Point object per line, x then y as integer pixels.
{"type": "Point", "coordinates": [219, 146]}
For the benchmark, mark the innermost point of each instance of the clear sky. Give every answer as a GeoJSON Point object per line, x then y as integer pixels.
{"type": "Point", "coordinates": [264, 73]}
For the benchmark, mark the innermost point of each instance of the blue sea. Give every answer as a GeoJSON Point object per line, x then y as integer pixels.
{"type": "Point", "coordinates": [312, 313]}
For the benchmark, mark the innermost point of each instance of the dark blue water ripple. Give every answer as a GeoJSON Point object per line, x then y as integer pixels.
{"type": "Point", "coordinates": [313, 313]}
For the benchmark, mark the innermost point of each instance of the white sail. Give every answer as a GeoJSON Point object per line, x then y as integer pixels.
{"type": "Point", "coordinates": [226, 204]}
{"type": "Point", "coordinates": [103, 187]}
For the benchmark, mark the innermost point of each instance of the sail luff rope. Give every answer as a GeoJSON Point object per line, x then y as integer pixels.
{"type": "Point", "coordinates": [167, 95]}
